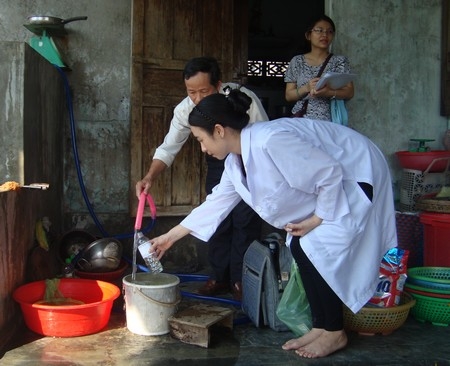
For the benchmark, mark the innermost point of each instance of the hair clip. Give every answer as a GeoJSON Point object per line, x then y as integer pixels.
{"type": "Point", "coordinates": [227, 90]}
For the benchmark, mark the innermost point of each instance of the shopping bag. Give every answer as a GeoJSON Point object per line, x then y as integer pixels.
{"type": "Point", "coordinates": [293, 308]}
{"type": "Point", "coordinates": [339, 112]}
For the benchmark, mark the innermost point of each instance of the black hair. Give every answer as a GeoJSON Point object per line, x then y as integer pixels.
{"type": "Point", "coordinates": [228, 111]}
{"type": "Point", "coordinates": [208, 65]}
{"type": "Point", "coordinates": [314, 21]}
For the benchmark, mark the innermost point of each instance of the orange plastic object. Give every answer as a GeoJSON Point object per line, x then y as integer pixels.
{"type": "Point", "coordinates": [68, 320]}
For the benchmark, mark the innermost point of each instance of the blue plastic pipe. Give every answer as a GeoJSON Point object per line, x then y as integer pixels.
{"type": "Point", "coordinates": [78, 167]}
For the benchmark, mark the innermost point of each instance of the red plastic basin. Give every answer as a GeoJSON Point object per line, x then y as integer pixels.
{"type": "Point", "coordinates": [68, 320]}
{"type": "Point", "coordinates": [422, 160]}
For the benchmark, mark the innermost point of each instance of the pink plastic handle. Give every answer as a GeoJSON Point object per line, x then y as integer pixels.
{"type": "Point", "coordinates": [140, 212]}
{"type": "Point", "coordinates": [151, 203]}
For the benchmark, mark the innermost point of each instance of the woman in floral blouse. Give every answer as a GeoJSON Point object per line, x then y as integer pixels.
{"type": "Point", "coordinates": [301, 75]}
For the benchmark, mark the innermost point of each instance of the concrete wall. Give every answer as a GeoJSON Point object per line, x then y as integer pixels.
{"type": "Point", "coordinates": [394, 47]}
{"type": "Point", "coordinates": [98, 53]}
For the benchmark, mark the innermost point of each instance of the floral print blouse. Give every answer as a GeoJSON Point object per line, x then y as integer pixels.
{"type": "Point", "coordinates": [300, 72]}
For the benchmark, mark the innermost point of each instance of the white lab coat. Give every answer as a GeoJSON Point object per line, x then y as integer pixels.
{"type": "Point", "coordinates": [296, 167]}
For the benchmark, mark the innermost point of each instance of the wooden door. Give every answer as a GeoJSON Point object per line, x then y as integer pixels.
{"type": "Point", "coordinates": [166, 34]}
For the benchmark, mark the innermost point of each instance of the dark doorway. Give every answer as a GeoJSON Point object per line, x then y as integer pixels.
{"type": "Point", "coordinates": [276, 34]}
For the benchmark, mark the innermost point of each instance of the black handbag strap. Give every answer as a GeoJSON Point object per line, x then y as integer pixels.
{"type": "Point", "coordinates": [302, 111]}
{"type": "Point", "coordinates": [319, 74]}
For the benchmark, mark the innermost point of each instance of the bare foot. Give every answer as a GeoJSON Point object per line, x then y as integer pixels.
{"type": "Point", "coordinates": [324, 345]}
{"type": "Point", "coordinates": [303, 340]}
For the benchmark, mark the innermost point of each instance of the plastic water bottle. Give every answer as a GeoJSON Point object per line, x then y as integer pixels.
{"type": "Point", "coordinates": [150, 259]}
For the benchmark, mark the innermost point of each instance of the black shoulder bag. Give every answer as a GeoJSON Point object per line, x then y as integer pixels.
{"type": "Point", "coordinates": [302, 111]}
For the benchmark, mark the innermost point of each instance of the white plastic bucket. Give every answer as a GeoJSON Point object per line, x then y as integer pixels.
{"type": "Point", "coordinates": [150, 299]}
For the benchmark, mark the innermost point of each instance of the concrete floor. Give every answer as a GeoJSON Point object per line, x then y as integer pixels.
{"type": "Point", "coordinates": [413, 344]}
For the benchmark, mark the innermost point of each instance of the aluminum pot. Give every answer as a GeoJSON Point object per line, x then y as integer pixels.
{"type": "Point", "coordinates": [102, 255]}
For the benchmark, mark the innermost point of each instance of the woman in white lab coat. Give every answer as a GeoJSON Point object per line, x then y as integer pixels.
{"type": "Point", "coordinates": [328, 186]}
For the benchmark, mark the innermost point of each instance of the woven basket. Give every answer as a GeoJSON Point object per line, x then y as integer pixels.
{"type": "Point", "coordinates": [426, 291]}
{"type": "Point", "coordinates": [433, 204]}
{"type": "Point", "coordinates": [370, 321]}
{"type": "Point", "coordinates": [434, 277]}
{"type": "Point", "coordinates": [431, 309]}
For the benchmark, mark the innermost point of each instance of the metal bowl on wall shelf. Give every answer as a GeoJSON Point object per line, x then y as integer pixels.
{"type": "Point", "coordinates": [102, 255]}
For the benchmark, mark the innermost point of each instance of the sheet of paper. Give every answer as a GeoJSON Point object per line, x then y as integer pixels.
{"type": "Point", "coordinates": [335, 80]}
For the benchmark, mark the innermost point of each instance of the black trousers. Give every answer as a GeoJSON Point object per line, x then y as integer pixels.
{"type": "Point", "coordinates": [227, 246]}
{"type": "Point", "coordinates": [326, 306]}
